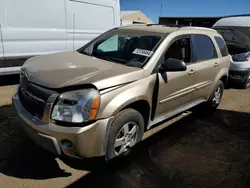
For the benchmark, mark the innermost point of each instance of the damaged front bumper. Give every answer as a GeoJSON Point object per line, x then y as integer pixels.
{"type": "Point", "coordinates": [88, 141]}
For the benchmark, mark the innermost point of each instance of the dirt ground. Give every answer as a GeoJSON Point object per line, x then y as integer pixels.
{"type": "Point", "coordinates": [197, 150]}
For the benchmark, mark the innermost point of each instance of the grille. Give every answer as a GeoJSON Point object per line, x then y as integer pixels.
{"type": "Point", "coordinates": [235, 73]}
{"type": "Point", "coordinates": [33, 97]}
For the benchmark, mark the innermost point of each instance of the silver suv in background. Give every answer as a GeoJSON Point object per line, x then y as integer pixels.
{"type": "Point", "coordinates": [236, 33]}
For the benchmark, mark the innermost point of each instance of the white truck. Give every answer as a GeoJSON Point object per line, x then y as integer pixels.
{"type": "Point", "coordinates": [36, 27]}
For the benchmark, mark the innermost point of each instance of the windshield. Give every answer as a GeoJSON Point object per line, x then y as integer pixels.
{"type": "Point", "coordinates": [127, 47]}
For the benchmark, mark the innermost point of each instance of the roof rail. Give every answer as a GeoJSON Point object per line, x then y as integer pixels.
{"type": "Point", "coordinates": [131, 25]}
{"type": "Point", "coordinates": [167, 25]}
{"type": "Point", "coordinates": [154, 24]}
{"type": "Point", "coordinates": [202, 28]}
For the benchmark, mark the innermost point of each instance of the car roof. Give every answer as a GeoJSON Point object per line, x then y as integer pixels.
{"type": "Point", "coordinates": [164, 28]}
{"type": "Point", "coordinates": [150, 28]}
{"type": "Point", "coordinates": [237, 21]}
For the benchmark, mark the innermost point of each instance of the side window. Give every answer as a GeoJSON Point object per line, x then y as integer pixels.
{"type": "Point", "coordinates": [222, 46]}
{"type": "Point", "coordinates": [109, 45]}
{"type": "Point", "coordinates": [180, 49]}
{"type": "Point", "coordinates": [202, 48]}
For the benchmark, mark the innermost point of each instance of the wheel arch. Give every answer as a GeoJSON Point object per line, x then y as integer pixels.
{"type": "Point", "coordinates": [143, 107]}
{"type": "Point", "coordinates": [224, 79]}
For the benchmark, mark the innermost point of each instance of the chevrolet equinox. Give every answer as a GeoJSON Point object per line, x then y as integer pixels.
{"type": "Point", "coordinates": [100, 99]}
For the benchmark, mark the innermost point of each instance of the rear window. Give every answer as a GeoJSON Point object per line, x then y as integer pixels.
{"type": "Point", "coordinates": [202, 48]}
{"type": "Point", "coordinates": [222, 46]}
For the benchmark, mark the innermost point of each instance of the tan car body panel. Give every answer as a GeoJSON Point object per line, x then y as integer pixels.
{"type": "Point", "coordinates": [113, 102]}
{"type": "Point", "coordinates": [177, 92]}
{"type": "Point", "coordinates": [65, 69]}
{"type": "Point", "coordinates": [79, 136]}
{"type": "Point", "coordinates": [120, 86]}
{"type": "Point", "coordinates": [172, 94]}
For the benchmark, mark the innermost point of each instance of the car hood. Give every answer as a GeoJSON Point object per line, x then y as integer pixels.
{"type": "Point", "coordinates": [65, 69]}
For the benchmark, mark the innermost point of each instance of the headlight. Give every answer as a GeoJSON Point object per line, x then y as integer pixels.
{"type": "Point", "coordinates": [76, 106]}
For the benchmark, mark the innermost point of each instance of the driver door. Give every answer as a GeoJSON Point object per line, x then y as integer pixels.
{"type": "Point", "coordinates": [176, 89]}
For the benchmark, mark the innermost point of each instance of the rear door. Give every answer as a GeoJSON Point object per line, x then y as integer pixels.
{"type": "Point", "coordinates": [207, 66]}
{"type": "Point", "coordinates": [86, 19]}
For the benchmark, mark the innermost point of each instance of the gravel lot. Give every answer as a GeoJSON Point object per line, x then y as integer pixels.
{"type": "Point", "coordinates": [197, 150]}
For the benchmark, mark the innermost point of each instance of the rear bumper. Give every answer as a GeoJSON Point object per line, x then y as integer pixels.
{"type": "Point", "coordinates": [88, 141]}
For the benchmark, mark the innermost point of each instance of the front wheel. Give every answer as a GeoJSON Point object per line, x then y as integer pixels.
{"type": "Point", "coordinates": [124, 133]}
{"type": "Point", "coordinates": [215, 98]}
{"type": "Point", "coordinates": [246, 83]}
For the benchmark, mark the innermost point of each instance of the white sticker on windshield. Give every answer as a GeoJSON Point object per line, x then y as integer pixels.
{"type": "Point", "coordinates": [142, 52]}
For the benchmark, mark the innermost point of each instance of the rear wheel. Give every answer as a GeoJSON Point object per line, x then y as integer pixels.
{"type": "Point", "coordinates": [216, 96]}
{"type": "Point", "coordinates": [125, 132]}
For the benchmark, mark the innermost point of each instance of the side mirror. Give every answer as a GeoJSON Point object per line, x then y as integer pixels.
{"type": "Point", "coordinates": [172, 65]}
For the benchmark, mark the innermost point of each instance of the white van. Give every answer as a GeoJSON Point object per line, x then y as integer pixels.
{"type": "Point", "coordinates": [35, 27]}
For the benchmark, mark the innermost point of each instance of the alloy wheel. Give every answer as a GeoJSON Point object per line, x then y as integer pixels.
{"type": "Point", "coordinates": [217, 96]}
{"type": "Point", "coordinates": [126, 138]}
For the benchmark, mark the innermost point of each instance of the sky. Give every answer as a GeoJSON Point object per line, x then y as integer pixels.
{"type": "Point", "coordinates": [175, 8]}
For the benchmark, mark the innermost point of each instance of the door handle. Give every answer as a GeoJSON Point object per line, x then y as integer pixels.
{"type": "Point", "coordinates": [191, 72]}
{"type": "Point", "coordinates": [216, 64]}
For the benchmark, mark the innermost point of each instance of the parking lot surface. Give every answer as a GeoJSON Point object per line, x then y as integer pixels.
{"type": "Point", "coordinates": [197, 150]}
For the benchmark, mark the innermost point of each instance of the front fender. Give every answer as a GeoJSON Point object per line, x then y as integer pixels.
{"type": "Point", "coordinates": [115, 100]}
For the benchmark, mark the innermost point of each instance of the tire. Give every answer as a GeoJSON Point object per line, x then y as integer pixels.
{"type": "Point", "coordinates": [127, 118]}
{"type": "Point", "coordinates": [246, 84]}
{"type": "Point", "coordinates": [213, 103]}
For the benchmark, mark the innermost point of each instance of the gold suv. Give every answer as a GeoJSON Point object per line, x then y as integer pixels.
{"type": "Point", "coordinates": [100, 99]}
